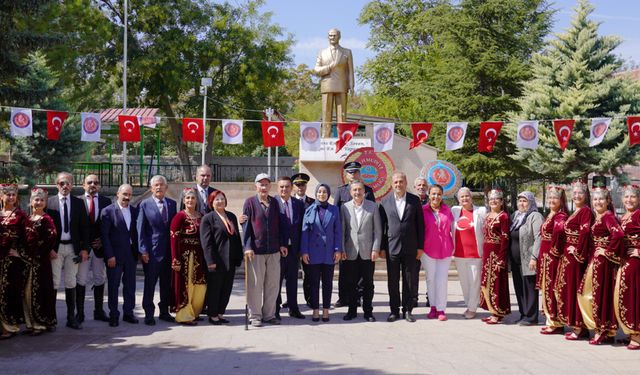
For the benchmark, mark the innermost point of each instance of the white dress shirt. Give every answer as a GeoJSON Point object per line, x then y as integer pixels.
{"type": "Point", "coordinates": [359, 211]}
{"type": "Point", "coordinates": [96, 209]}
{"type": "Point", "coordinates": [126, 214]}
{"type": "Point", "coordinates": [400, 204]}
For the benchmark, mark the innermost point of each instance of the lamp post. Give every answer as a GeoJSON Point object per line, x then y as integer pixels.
{"type": "Point", "coordinates": [204, 83]}
{"type": "Point", "coordinates": [124, 93]}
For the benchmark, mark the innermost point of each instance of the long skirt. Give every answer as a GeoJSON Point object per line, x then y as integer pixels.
{"type": "Point", "coordinates": [546, 281]}
{"type": "Point", "coordinates": [39, 296]}
{"type": "Point", "coordinates": [568, 280]}
{"type": "Point", "coordinates": [595, 296]}
{"type": "Point", "coordinates": [12, 271]}
{"type": "Point", "coordinates": [196, 294]}
{"type": "Point", "coordinates": [495, 284]}
{"type": "Point", "coordinates": [626, 300]}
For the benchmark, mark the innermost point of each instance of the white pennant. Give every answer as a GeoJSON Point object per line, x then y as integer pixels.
{"type": "Point", "coordinates": [232, 132]}
{"type": "Point", "coordinates": [599, 128]}
{"type": "Point", "coordinates": [528, 136]}
{"type": "Point", "coordinates": [91, 127]}
{"type": "Point", "coordinates": [383, 136]}
{"type": "Point", "coordinates": [456, 131]}
{"type": "Point", "coordinates": [149, 121]}
{"type": "Point", "coordinates": [310, 136]}
{"type": "Point", "coordinates": [21, 122]}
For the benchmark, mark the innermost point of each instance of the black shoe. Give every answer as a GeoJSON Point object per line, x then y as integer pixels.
{"type": "Point", "coordinates": [80, 293]}
{"type": "Point", "coordinates": [150, 321]}
{"type": "Point", "coordinates": [296, 314]}
{"type": "Point", "coordinates": [278, 316]}
{"type": "Point", "coordinates": [224, 321]}
{"type": "Point", "coordinates": [73, 323]}
{"type": "Point", "coordinates": [215, 322]}
{"type": "Point", "coordinates": [369, 318]}
{"type": "Point", "coordinates": [273, 321]}
{"type": "Point", "coordinates": [315, 319]}
{"type": "Point", "coordinates": [409, 317]}
{"type": "Point", "coordinates": [113, 322]}
{"type": "Point", "coordinates": [130, 319]}
{"type": "Point", "coordinates": [392, 318]}
{"type": "Point", "coordinates": [100, 315]}
{"type": "Point", "coordinates": [326, 319]}
{"type": "Point", "coordinates": [349, 316]}
{"type": "Point", "coordinates": [167, 318]}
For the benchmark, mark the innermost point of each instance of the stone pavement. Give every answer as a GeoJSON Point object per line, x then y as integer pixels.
{"type": "Point", "coordinates": [457, 346]}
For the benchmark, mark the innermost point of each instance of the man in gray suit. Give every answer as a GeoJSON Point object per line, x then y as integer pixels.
{"type": "Point", "coordinates": [334, 66]}
{"type": "Point", "coordinates": [362, 237]}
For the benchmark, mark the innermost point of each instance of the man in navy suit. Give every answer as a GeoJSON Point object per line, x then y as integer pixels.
{"type": "Point", "coordinates": [120, 244]}
{"type": "Point", "coordinates": [154, 219]}
{"type": "Point", "coordinates": [94, 203]}
{"type": "Point", "coordinates": [203, 178]}
{"type": "Point", "coordinates": [291, 213]}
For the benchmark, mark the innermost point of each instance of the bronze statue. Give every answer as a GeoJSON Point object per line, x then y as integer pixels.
{"type": "Point", "coordinates": [334, 66]}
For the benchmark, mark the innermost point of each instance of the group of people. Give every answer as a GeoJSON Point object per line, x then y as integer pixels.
{"type": "Point", "coordinates": [586, 265]}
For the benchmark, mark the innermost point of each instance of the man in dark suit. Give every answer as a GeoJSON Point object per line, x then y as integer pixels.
{"type": "Point", "coordinates": [93, 204]}
{"type": "Point", "coordinates": [291, 213]}
{"type": "Point", "coordinates": [343, 195]}
{"type": "Point", "coordinates": [154, 219]}
{"type": "Point", "coordinates": [300, 181]}
{"type": "Point", "coordinates": [120, 244]}
{"type": "Point", "coordinates": [203, 178]}
{"type": "Point", "coordinates": [420, 186]}
{"type": "Point", "coordinates": [402, 239]}
{"type": "Point", "coordinates": [72, 225]}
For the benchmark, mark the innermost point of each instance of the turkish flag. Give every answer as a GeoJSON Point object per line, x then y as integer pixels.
{"type": "Point", "coordinates": [421, 132]}
{"type": "Point", "coordinates": [563, 130]}
{"type": "Point", "coordinates": [129, 128]}
{"type": "Point", "coordinates": [55, 119]}
{"type": "Point", "coordinates": [273, 133]}
{"type": "Point", "coordinates": [346, 131]}
{"type": "Point", "coordinates": [489, 131]}
{"type": "Point", "coordinates": [192, 130]}
{"type": "Point", "coordinates": [634, 133]}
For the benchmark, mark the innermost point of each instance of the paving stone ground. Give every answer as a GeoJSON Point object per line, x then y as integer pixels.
{"type": "Point", "coordinates": [457, 346]}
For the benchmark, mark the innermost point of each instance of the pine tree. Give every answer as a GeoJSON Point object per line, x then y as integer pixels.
{"type": "Point", "coordinates": [573, 78]}
{"type": "Point", "coordinates": [37, 156]}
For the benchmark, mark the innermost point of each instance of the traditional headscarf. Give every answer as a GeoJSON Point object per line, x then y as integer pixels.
{"type": "Point", "coordinates": [312, 211]}
{"type": "Point", "coordinates": [520, 217]}
{"type": "Point", "coordinates": [325, 203]}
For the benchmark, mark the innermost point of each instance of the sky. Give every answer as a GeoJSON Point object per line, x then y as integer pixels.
{"type": "Point", "coordinates": [308, 22]}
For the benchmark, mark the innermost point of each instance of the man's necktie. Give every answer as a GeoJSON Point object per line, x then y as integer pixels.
{"type": "Point", "coordinates": [65, 215]}
{"type": "Point", "coordinates": [92, 210]}
{"type": "Point", "coordinates": [286, 211]}
{"type": "Point", "coordinates": [163, 212]}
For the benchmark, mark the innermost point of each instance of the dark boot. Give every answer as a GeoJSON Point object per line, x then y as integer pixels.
{"type": "Point", "coordinates": [70, 298]}
{"type": "Point", "coordinates": [80, 292]}
{"type": "Point", "coordinates": [98, 297]}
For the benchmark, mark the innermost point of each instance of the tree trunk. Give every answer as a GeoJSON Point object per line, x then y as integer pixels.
{"type": "Point", "coordinates": [176, 130]}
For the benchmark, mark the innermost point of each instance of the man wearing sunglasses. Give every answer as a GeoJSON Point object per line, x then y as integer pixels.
{"type": "Point", "coordinates": [93, 204]}
{"type": "Point", "coordinates": [71, 222]}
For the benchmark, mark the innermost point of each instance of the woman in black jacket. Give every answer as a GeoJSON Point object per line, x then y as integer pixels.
{"type": "Point", "coordinates": [223, 253]}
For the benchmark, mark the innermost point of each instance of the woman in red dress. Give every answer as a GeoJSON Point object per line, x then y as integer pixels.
{"type": "Point", "coordinates": [494, 283]}
{"type": "Point", "coordinates": [40, 297]}
{"type": "Point", "coordinates": [12, 264]}
{"type": "Point", "coordinates": [573, 262]}
{"type": "Point", "coordinates": [551, 247]}
{"type": "Point", "coordinates": [188, 282]}
{"type": "Point", "coordinates": [595, 295]}
{"type": "Point", "coordinates": [627, 291]}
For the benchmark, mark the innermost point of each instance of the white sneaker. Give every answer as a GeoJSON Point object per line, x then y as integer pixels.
{"type": "Point", "coordinates": [256, 323]}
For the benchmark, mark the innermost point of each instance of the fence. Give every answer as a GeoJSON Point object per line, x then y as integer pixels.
{"type": "Point", "coordinates": [110, 174]}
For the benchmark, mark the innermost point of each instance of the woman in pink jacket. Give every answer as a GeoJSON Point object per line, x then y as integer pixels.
{"type": "Point", "coordinates": [438, 249]}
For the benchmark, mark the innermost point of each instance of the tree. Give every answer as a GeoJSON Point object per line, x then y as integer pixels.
{"type": "Point", "coordinates": [37, 156]}
{"type": "Point", "coordinates": [574, 78]}
{"type": "Point", "coordinates": [171, 45]}
{"type": "Point", "coordinates": [463, 62]}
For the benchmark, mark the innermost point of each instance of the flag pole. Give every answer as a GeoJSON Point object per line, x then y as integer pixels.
{"type": "Point", "coordinates": [269, 112]}
{"type": "Point", "coordinates": [124, 94]}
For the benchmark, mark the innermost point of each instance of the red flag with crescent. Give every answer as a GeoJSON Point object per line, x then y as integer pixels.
{"type": "Point", "coordinates": [192, 130]}
{"type": "Point", "coordinates": [489, 131]}
{"type": "Point", "coordinates": [55, 120]}
{"type": "Point", "coordinates": [563, 130]}
{"type": "Point", "coordinates": [273, 133]}
{"type": "Point", "coordinates": [421, 132]}
{"type": "Point", "coordinates": [346, 131]}
{"type": "Point", "coordinates": [129, 129]}
{"type": "Point", "coordinates": [634, 132]}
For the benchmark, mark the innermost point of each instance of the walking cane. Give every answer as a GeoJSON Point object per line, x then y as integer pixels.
{"type": "Point", "coordinates": [246, 295]}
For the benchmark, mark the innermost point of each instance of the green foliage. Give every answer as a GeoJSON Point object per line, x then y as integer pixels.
{"type": "Point", "coordinates": [37, 156]}
{"type": "Point", "coordinates": [573, 78]}
{"type": "Point", "coordinates": [454, 61]}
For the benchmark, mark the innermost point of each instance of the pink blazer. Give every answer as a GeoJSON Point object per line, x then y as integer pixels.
{"type": "Point", "coordinates": [438, 241]}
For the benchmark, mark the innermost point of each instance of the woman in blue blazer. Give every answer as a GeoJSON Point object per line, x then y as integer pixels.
{"type": "Point", "coordinates": [321, 248]}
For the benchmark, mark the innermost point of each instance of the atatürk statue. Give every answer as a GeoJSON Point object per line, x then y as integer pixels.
{"type": "Point", "coordinates": [334, 66]}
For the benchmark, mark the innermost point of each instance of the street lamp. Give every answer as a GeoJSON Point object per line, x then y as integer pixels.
{"type": "Point", "coordinates": [204, 83]}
